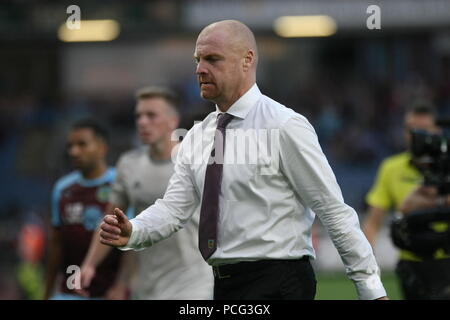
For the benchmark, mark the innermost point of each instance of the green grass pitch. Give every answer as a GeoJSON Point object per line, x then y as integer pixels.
{"type": "Point", "coordinates": [333, 286]}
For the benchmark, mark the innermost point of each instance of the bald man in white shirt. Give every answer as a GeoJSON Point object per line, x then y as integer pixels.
{"type": "Point", "coordinates": [259, 198]}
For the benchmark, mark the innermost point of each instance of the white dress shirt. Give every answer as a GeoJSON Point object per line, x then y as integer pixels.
{"type": "Point", "coordinates": [272, 187]}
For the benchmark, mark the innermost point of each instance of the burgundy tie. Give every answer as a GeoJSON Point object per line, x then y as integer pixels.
{"type": "Point", "coordinates": [209, 212]}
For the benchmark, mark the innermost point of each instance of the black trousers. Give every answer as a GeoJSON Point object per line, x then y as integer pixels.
{"type": "Point", "coordinates": [265, 279]}
{"type": "Point", "coordinates": [425, 280]}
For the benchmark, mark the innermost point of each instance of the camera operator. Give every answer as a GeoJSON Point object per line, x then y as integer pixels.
{"type": "Point", "coordinates": [396, 179]}
{"type": "Point", "coordinates": [424, 227]}
{"type": "Point", "coordinates": [429, 278]}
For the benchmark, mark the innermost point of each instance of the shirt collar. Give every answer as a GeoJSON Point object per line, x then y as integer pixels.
{"type": "Point", "coordinates": [107, 177]}
{"type": "Point", "coordinates": [242, 106]}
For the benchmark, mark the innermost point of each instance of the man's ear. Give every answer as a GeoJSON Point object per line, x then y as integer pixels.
{"type": "Point", "coordinates": [249, 59]}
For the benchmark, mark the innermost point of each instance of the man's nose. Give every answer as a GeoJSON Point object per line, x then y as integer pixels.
{"type": "Point", "coordinates": [73, 151]}
{"type": "Point", "coordinates": [142, 121]}
{"type": "Point", "coordinates": [201, 68]}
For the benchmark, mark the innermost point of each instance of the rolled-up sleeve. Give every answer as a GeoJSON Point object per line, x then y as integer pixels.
{"type": "Point", "coordinates": [307, 169]}
{"type": "Point", "coordinates": [169, 214]}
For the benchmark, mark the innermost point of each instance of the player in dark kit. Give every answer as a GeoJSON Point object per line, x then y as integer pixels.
{"type": "Point", "coordinates": [78, 203]}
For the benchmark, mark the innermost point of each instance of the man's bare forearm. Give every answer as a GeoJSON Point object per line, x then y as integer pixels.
{"type": "Point", "coordinates": [97, 251]}
{"type": "Point", "coordinates": [127, 267]}
{"type": "Point", "coordinates": [372, 224]}
{"type": "Point", "coordinates": [424, 197]}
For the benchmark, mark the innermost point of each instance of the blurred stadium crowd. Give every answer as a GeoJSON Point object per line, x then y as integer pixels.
{"type": "Point", "coordinates": [353, 87]}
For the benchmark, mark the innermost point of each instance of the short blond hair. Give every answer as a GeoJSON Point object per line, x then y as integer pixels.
{"type": "Point", "coordinates": [167, 94]}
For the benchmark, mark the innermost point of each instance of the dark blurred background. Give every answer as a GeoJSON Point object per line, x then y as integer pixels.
{"type": "Point", "coordinates": [353, 86]}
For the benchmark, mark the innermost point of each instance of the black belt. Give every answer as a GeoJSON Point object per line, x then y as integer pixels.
{"type": "Point", "coordinates": [229, 270]}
